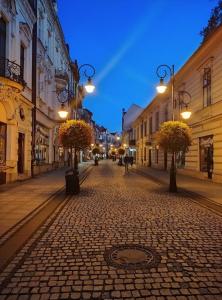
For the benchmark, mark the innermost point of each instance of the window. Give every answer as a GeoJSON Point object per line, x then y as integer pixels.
{"type": "Point", "coordinates": [145, 154]}
{"type": "Point", "coordinates": [141, 130]}
{"type": "Point", "coordinates": [150, 125]}
{"type": "Point", "coordinates": [22, 60]}
{"type": "Point", "coordinates": [166, 113]}
{"type": "Point", "coordinates": [156, 156]}
{"type": "Point", "coordinates": [207, 87]}
{"type": "Point", "coordinates": [157, 120]}
{"type": "Point", "coordinates": [145, 128]}
{"type": "Point", "coordinates": [2, 45]}
{"type": "Point", "coordinates": [2, 38]}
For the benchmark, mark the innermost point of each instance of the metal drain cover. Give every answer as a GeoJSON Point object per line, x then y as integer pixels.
{"type": "Point", "coordinates": [132, 257]}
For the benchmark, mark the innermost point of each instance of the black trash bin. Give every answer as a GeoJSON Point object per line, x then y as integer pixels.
{"type": "Point", "coordinates": [72, 182]}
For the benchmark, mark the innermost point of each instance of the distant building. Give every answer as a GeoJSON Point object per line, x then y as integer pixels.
{"type": "Point", "coordinates": [128, 134]}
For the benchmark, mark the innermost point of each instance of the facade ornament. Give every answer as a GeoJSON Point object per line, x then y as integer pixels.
{"type": "Point", "coordinates": [9, 93]}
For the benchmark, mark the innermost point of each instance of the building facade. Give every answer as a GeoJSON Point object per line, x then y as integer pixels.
{"type": "Point", "coordinates": [35, 72]}
{"type": "Point", "coordinates": [17, 19]}
{"type": "Point", "coordinates": [201, 76]}
{"type": "Point", "coordinates": [54, 78]}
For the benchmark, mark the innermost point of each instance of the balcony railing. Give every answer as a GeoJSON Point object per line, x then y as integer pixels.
{"type": "Point", "coordinates": [11, 70]}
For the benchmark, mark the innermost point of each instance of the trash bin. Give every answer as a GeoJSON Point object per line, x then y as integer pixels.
{"type": "Point", "coordinates": [72, 182]}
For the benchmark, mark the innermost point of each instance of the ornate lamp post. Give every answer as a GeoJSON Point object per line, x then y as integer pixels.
{"type": "Point", "coordinates": [88, 71]}
{"type": "Point", "coordinates": [162, 72]}
{"type": "Point", "coordinates": [65, 95]}
{"type": "Point", "coordinates": [183, 100]}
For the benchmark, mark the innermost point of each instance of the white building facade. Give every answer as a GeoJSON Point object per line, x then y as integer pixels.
{"type": "Point", "coordinates": [27, 112]}
{"type": "Point", "coordinates": [16, 25]}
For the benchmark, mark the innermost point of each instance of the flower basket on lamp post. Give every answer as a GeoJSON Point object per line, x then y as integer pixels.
{"type": "Point", "coordinates": [77, 135]}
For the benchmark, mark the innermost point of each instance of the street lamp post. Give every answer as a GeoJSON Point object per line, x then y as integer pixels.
{"type": "Point", "coordinates": [88, 71]}
{"type": "Point", "coordinates": [66, 95]}
{"type": "Point", "coordinates": [162, 72]}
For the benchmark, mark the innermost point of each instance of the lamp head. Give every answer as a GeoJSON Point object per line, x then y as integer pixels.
{"type": "Point", "coordinates": [186, 114]}
{"type": "Point", "coordinates": [161, 88]}
{"type": "Point", "coordinates": [63, 113]}
{"type": "Point", "coordinates": [89, 87]}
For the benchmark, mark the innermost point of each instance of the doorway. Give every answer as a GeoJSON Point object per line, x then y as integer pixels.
{"type": "Point", "coordinates": [21, 152]}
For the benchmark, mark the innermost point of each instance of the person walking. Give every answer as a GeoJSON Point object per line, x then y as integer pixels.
{"type": "Point", "coordinates": [126, 162]}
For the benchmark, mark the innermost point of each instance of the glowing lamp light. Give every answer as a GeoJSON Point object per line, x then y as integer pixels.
{"type": "Point", "coordinates": [63, 113]}
{"type": "Point", "coordinates": [89, 87]}
{"type": "Point", "coordinates": [186, 114]}
{"type": "Point", "coordinates": [161, 88]}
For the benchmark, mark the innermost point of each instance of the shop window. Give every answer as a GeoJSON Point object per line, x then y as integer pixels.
{"type": "Point", "coordinates": [42, 145]}
{"type": "Point", "coordinates": [207, 87]}
{"type": "Point", "coordinates": [206, 154]}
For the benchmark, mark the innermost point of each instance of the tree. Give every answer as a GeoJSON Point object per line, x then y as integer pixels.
{"type": "Point", "coordinates": [214, 21]}
{"type": "Point", "coordinates": [121, 151]}
{"type": "Point", "coordinates": [173, 137]}
{"type": "Point", "coordinates": [113, 152]}
{"type": "Point", "coordinates": [95, 151]}
{"type": "Point", "coordinates": [75, 134]}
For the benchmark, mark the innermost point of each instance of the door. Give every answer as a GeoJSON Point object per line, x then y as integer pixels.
{"type": "Point", "coordinates": [21, 152]}
{"type": "Point", "coordinates": [2, 152]}
{"type": "Point", "coordinates": [2, 46]}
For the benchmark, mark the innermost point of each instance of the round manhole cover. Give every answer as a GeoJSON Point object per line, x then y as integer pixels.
{"type": "Point", "coordinates": [132, 257]}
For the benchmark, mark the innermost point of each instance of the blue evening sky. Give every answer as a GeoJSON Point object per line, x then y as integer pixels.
{"type": "Point", "coordinates": [126, 40]}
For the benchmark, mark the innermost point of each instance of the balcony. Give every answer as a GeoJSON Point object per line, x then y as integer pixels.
{"type": "Point", "coordinates": [11, 71]}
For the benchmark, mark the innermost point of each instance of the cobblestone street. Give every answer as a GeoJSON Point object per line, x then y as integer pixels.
{"type": "Point", "coordinates": [65, 258]}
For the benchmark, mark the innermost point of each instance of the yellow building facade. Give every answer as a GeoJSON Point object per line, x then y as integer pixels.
{"type": "Point", "coordinates": [201, 77]}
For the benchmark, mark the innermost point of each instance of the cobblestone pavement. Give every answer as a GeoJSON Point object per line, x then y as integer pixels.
{"type": "Point", "coordinates": [65, 257]}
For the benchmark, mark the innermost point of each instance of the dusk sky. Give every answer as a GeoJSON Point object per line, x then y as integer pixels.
{"type": "Point", "coordinates": [125, 40]}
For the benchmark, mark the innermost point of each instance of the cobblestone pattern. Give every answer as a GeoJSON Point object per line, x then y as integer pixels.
{"type": "Point", "coordinates": [67, 262]}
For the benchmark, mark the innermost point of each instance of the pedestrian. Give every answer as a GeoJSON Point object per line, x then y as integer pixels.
{"type": "Point", "coordinates": [131, 160]}
{"type": "Point", "coordinates": [126, 162]}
